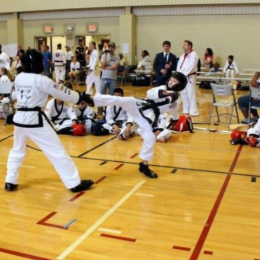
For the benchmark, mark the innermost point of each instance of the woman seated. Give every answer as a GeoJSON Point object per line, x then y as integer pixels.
{"type": "Point", "coordinates": [145, 63]}
{"type": "Point", "coordinates": [74, 69]}
{"type": "Point", "coordinates": [208, 59]}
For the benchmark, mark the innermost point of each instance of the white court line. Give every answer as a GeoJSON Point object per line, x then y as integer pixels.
{"type": "Point", "coordinates": [25, 166]}
{"type": "Point", "coordinates": [110, 230]}
{"type": "Point", "coordinates": [145, 195]}
{"type": "Point", "coordinates": [99, 222]}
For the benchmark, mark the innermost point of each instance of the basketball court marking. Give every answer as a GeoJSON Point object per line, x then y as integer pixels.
{"type": "Point", "coordinates": [1, 140]}
{"type": "Point", "coordinates": [118, 237]}
{"type": "Point", "coordinates": [11, 252]}
{"type": "Point", "coordinates": [203, 236]}
{"type": "Point", "coordinates": [118, 232]}
{"type": "Point", "coordinates": [67, 251]}
{"type": "Point", "coordinates": [94, 148]}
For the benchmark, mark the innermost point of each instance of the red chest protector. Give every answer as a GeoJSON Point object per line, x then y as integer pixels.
{"type": "Point", "coordinates": [79, 129]}
{"type": "Point", "coordinates": [184, 124]}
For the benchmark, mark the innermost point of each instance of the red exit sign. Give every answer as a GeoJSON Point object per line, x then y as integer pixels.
{"type": "Point", "coordinates": [92, 27]}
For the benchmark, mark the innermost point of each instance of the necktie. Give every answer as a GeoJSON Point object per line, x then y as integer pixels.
{"type": "Point", "coordinates": [166, 56]}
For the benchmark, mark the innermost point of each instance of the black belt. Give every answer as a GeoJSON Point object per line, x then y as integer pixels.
{"type": "Point", "coordinates": [40, 115]}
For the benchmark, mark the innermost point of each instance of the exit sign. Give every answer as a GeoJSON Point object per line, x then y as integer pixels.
{"type": "Point", "coordinates": [48, 29]}
{"type": "Point", "coordinates": [92, 27]}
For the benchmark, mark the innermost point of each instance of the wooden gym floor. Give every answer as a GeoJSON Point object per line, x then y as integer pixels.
{"type": "Point", "coordinates": [204, 205]}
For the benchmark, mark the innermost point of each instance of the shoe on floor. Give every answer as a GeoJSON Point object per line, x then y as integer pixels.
{"type": "Point", "coordinates": [146, 171]}
{"type": "Point", "coordinates": [84, 185]}
{"type": "Point", "coordinates": [195, 114]}
{"type": "Point", "coordinates": [247, 122]}
{"type": "Point", "coordinates": [10, 186]}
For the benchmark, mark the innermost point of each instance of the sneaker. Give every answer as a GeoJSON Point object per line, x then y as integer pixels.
{"type": "Point", "coordinates": [84, 185]}
{"type": "Point", "coordinates": [195, 114]}
{"type": "Point", "coordinates": [247, 122]}
{"type": "Point", "coordinates": [255, 119]}
{"type": "Point", "coordinates": [146, 171]}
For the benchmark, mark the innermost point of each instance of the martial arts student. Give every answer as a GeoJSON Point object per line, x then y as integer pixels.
{"type": "Point", "coordinates": [230, 68]}
{"type": "Point", "coordinates": [160, 130]}
{"type": "Point", "coordinates": [187, 64]}
{"type": "Point", "coordinates": [32, 91]}
{"type": "Point", "coordinates": [61, 114]}
{"type": "Point", "coordinates": [118, 120]}
{"type": "Point", "coordinates": [93, 74]}
{"type": "Point", "coordinates": [59, 62]}
{"type": "Point", "coordinates": [85, 115]}
{"type": "Point", "coordinates": [145, 112]}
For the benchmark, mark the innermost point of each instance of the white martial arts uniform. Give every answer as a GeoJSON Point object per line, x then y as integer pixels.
{"type": "Point", "coordinates": [4, 61]}
{"type": "Point", "coordinates": [4, 79]}
{"type": "Point", "coordinates": [30, 122]}
{"type": "Point", "coordinates": [142, 114]}
{"type": "Point", "coordinates": [94, 76]}
{"type": "Point", "coordinates": [74, 66]}
{"type": "Point", "coordinates": [117, 115]}
{"type": "Point", "coordinates": [230, 69]}
{"type": "Point", "coordinates": [144, 63]}
{"type": "Point", "coordinates": [60, 115]}
{"type": "Point", "coordinates": [163, 122]}
{"type": "Point", "coordinates": [59, 65]}
{"type": "Point", "coordinates": [187, 64]}
{"type": "Point", "coordinates": [86, 116]}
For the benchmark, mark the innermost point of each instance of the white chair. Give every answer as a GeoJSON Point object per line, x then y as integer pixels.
{"type": "Point", "coordinates": [223, 96]}
{"type": "Point", "coordinates": [6, 89]}
{"type": "Point", "coordinates": [254, 94]}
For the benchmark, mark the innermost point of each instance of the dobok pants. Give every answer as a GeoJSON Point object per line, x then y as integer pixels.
{"type": "Point", "coordinates": [145, 129]}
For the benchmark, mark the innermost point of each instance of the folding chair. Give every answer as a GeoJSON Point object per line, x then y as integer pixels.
{"type": "Point", "coordinates": [254, 94]}
{"type": "Point", "coordinates": [223, 96]}
{"type": "Point", "coordinates": [6, 89]}
{"type": "Point", "coordinates": [124, 75]}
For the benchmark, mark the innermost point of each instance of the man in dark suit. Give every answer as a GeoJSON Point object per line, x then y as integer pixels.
{"type": "Point", "coordinates": [164, 63]}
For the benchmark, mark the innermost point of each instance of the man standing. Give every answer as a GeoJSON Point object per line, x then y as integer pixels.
{"type": "Point", "coordinates": [109, 63]}
{"type": "Point", "coordinates": [164, 64]}
{"type": "Point", "coordinates": [188, 66]}
{"type": "Point", "coordinates": [59, 64]}
{"type": "Point", "coordinates": [94, 70]}
{"type": "Point", "coordinates": [47, 61]}
{"type": "Point", "coordinates": [80, 54]}
{"type": "Point", "coordinates": [4, 59]}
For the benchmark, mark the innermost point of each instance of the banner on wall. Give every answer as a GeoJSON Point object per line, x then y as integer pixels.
{"type": "Point", "coordinates": [10, 49]}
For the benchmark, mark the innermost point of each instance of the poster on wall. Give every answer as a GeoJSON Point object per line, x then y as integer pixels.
{"type": "Point", "coordinates": [10, 49]}
{"type": "Point", "coordinates": [125, 47]}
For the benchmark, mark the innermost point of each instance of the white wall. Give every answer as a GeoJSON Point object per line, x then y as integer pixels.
{"type": "Point", "coordinates": [234, 34]}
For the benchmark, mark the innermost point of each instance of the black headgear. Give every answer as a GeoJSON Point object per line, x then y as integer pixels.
{"type": "Point", "coordinates": [32, 62]}
{"type": "Point", "coordinates": [182, 81]}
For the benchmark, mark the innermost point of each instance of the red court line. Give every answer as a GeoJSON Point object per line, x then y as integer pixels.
{"type": "Point", "coordinates": [133, 155]}
{"type": "Point", "coordinates": [43, 221]}
{"type": "Point", "coordinates": [77, 196]}
{"type": "Point", "coordinates": [208, 252]}
{"type": "Point", "coordinates": [101, 179]}
{"type": "Point", "coordinates": [11, 252]}
{"type": "Point", "coordinates": [181, 248]}
{"type": "Point", "coordinates": [118, 237]}
{"type": "Point", "coordinates": [206, 229]}
{"type": "Point", "coordinates": [119, 166]}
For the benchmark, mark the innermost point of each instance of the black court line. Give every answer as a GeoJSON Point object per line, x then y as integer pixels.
{"type": "Point", "coordinates": [94, 148]}
{"type": "Point", "coordinates": [6, 138]}
{"type": "Point", "coordinates": [36, 149]}
{"type": "Point", "coordinates": [171, 167]}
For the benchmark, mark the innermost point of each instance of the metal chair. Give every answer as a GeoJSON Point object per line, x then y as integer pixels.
{"type": "Point", "coordinates": [254, 94]}
{"type": "Point", "coordinates": [124, 75]}
{"type": "Point", "coordinates": [223, 96]}
{"type": "Point", "coordinates": [6, 89]}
